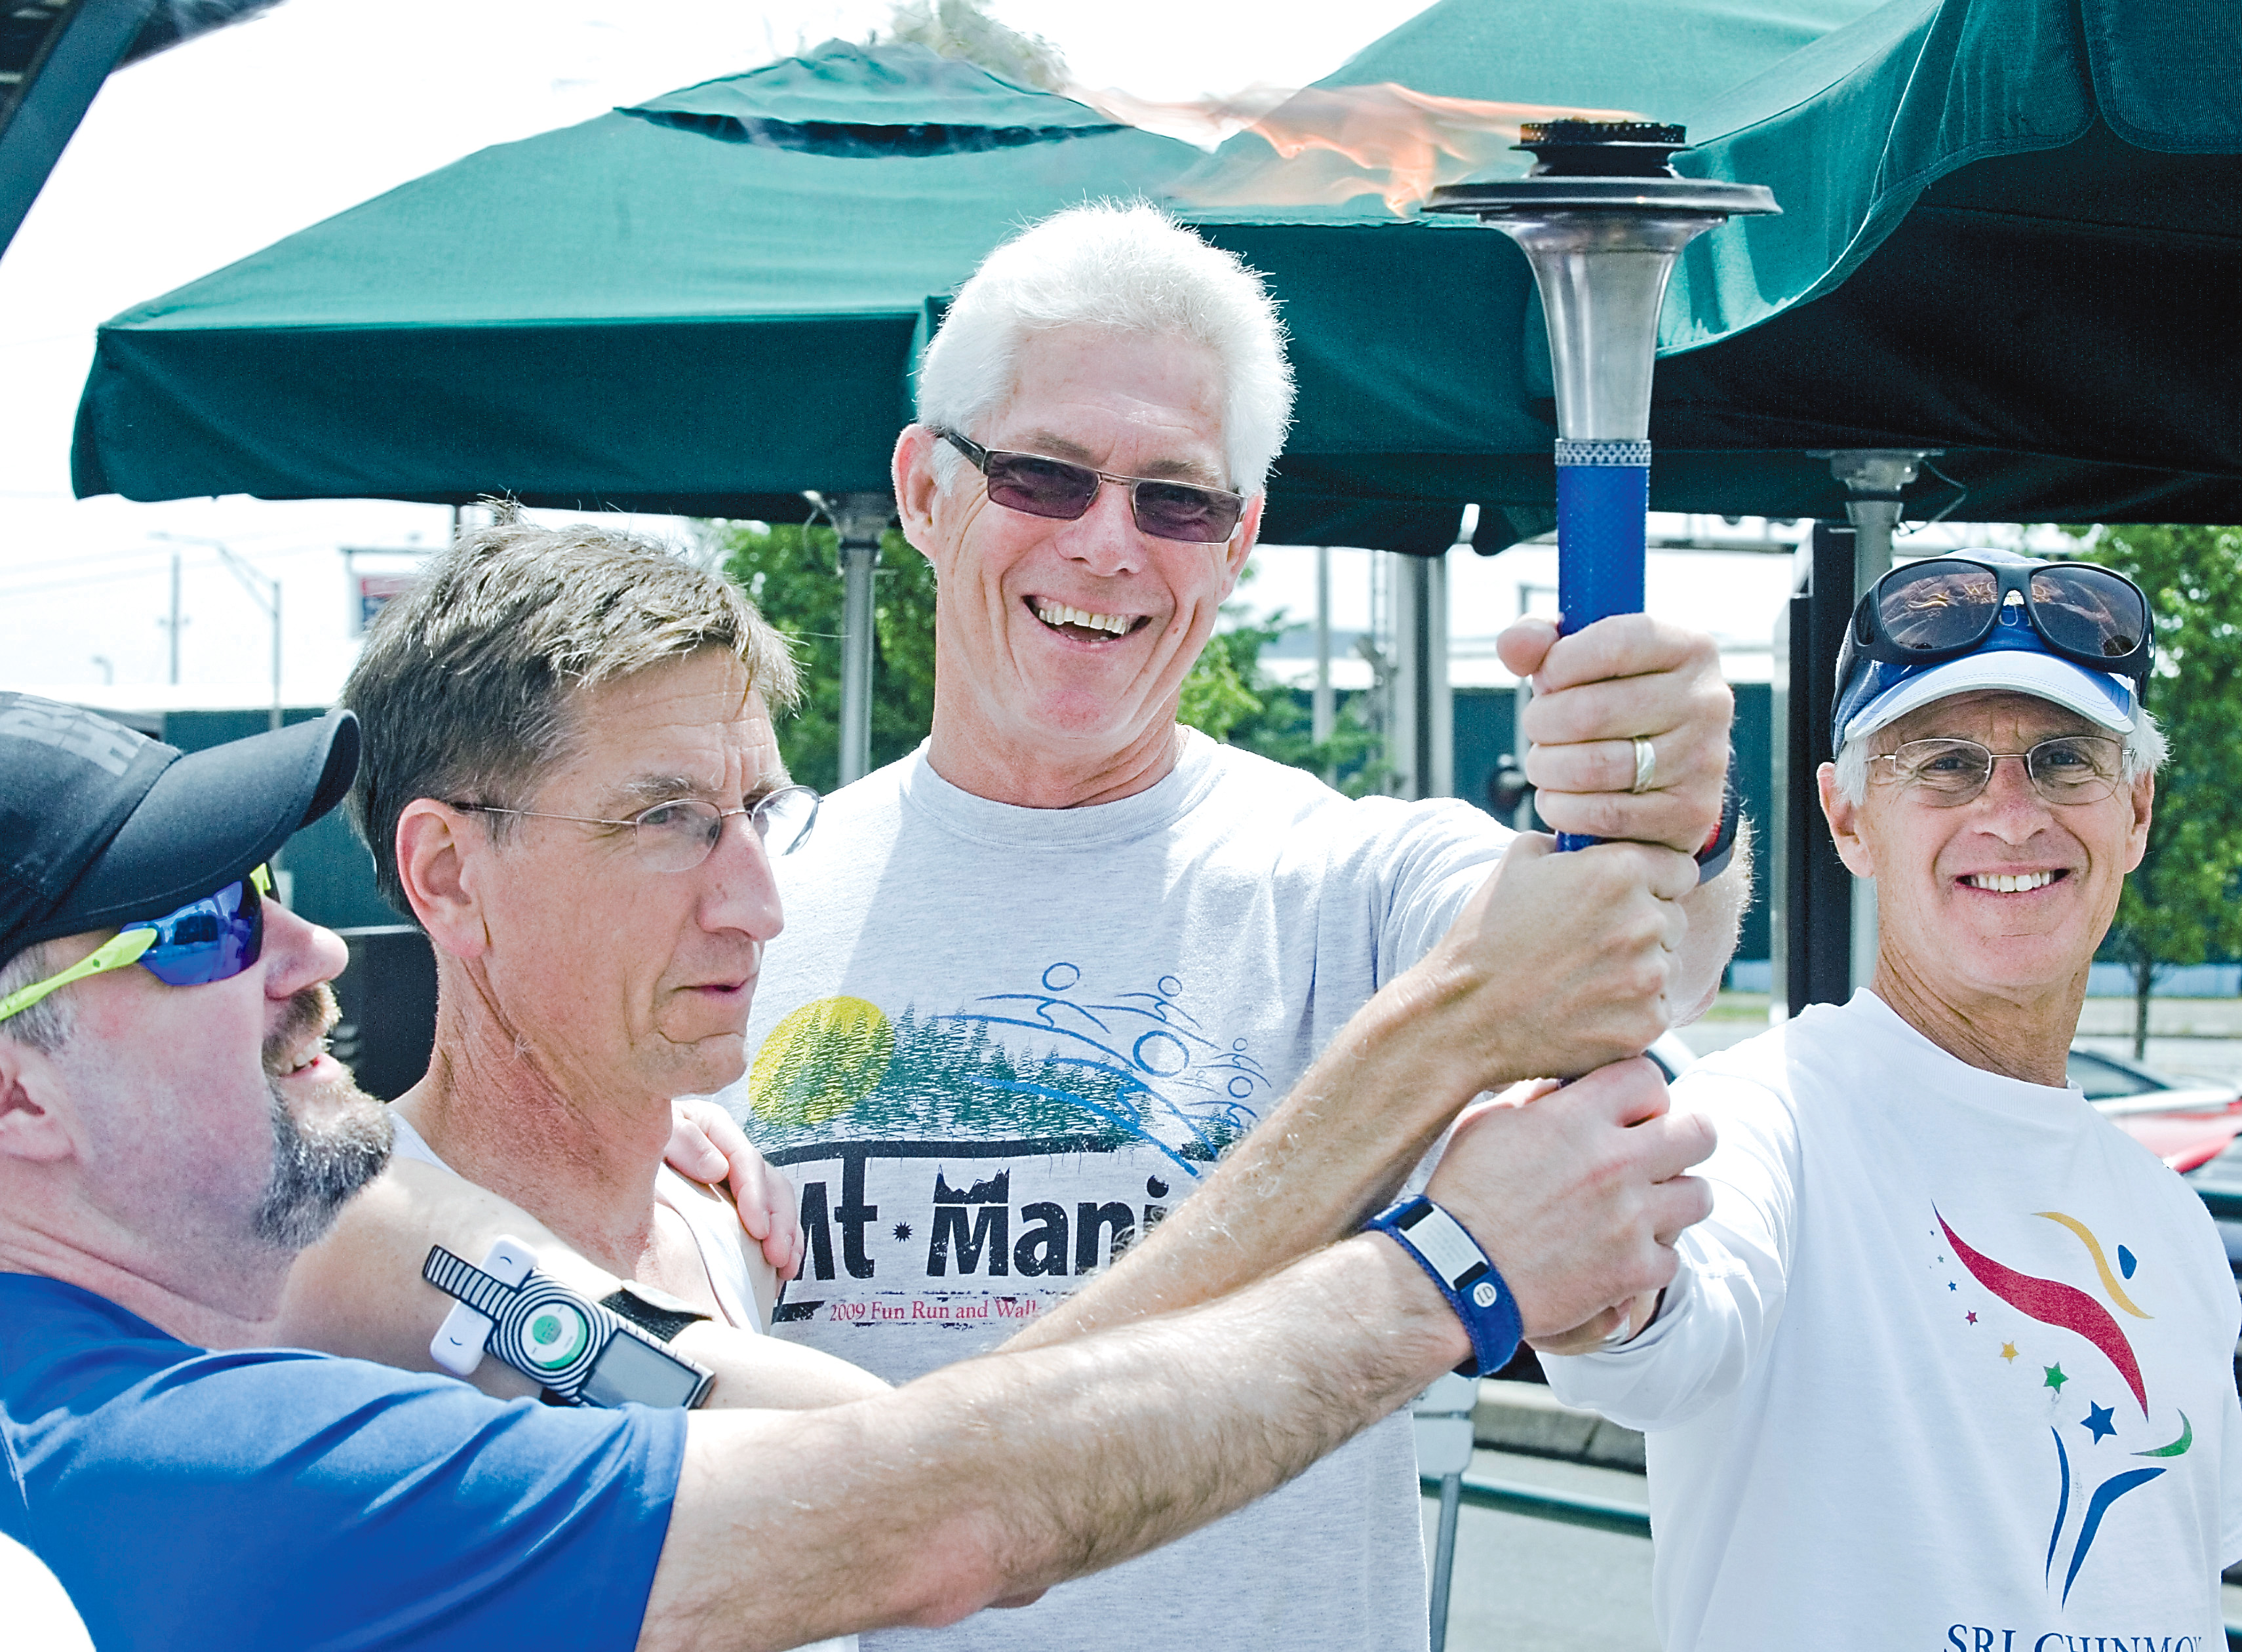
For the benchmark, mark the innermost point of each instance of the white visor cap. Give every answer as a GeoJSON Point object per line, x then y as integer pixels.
{"type": "Point", "coordinates": [2098, 696]}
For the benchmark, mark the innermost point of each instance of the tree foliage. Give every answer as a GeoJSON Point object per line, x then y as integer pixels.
{"type": "Point", "coordinates": [2184, 904]}
{"type": "Point", "coordinates": [792, 573]}
{"type": "Point", "coordinates": [1232, 697]}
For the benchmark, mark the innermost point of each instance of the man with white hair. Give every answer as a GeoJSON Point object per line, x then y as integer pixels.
{"type": "Point", "coordinates": [1044, 972]}
{"type": "Point", "coordinates": [1950, 1366]}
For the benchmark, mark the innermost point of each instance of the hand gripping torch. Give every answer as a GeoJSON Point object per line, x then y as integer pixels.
{"type": "Point", "coordinates": [1601, 219]}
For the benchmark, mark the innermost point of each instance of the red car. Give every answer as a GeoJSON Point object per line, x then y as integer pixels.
{"type": "Point", "coordinates": [2184, 1123]}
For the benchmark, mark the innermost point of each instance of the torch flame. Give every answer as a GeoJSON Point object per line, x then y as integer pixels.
{"type": "Point", "coordinates": [1328, 144]}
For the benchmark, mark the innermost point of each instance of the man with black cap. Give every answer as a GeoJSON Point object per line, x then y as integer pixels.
{"type": "Point", "coordinates": [1950, 1364]}
{"type": "Point", "coordinates": [171, 1134]}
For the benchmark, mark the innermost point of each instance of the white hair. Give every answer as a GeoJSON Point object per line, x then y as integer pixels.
{"type": "Point", "coordinates": [2144, 755]}
{"type": "Point", "coordinates": [1125, 269]}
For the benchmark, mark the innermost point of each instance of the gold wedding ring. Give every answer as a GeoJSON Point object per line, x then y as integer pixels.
{"type": "Point", "coordinates": [1646, 765]}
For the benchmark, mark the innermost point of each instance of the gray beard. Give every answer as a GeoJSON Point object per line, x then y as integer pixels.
{"type": "Point", "coordinates": [317, 1168]}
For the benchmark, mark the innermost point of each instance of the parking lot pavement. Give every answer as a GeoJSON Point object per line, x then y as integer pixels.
{"type": "Point", "coordinates": [2187, 1036]}
{"type": "Point", "coordinates": [1526, 1585]}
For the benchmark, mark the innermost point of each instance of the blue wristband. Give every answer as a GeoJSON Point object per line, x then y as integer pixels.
{"type": "Point", "coordinates": [1479, 1296]}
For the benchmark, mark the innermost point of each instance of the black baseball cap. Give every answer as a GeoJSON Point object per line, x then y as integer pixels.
{"type": "Point", "coordinates": [100, 825]}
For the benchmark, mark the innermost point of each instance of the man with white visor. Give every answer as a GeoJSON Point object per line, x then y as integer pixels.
{"type": "Point", "coordinates": [1949, 1365]}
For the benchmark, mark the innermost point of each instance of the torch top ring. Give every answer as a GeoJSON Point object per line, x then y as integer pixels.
{"type": "Point", "coordinates": [1606, 166]}
{"type": "Point", "coordinates": [1679, 197]}
{"type": "Point", "coordinates": [1602, 148]}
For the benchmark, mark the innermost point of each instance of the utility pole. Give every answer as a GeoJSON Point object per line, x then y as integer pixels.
{"type": "Point", "coordinates": [173, 624]}
{"type": "Point", "coordinates": [250, 577]}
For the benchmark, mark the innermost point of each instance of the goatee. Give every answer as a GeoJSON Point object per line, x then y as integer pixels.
{"type": "Point", "coordinates": [317, 1167]}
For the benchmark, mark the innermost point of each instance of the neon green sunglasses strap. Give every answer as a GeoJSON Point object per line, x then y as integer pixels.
{"type": "Point", "coordinates": [115, 953]}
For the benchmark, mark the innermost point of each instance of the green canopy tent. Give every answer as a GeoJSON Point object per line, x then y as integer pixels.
{"type": "Point", "coordinates": [2011, 229]}
{"type": "Point", "coordinates": [704, 305]}
{"type": "Point", "coordinates": [712, 302]}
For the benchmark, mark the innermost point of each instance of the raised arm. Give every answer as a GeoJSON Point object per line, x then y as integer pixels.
{"type": "Point", "coordinates": [1557, 964]}
{"type": "Point", "coordinates": [359, 1293]}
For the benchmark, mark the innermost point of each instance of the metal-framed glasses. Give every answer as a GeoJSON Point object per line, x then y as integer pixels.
{"type": "Point", "coordinates": [1040, 487]}
{"type": "Point", "coordinates": [2071, 768]}
{"type": "Point", "coordinates": [677, 837]}
{"type": "Point", "coordinates": [213, 939]}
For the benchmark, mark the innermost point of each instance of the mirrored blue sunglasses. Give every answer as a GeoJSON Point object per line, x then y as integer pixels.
{"type": "Point", "coordinates": [213, 939]}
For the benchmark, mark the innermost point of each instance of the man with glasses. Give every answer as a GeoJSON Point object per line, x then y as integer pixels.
{"type": "Point", "coordinates": [172, 1134]}
{"type": "Point", "coordinates": [1951, 1364]}
{"type": "Point", "coordinates": [571, 784]}
{"type": "Point", "coordinates": [1043, 973]}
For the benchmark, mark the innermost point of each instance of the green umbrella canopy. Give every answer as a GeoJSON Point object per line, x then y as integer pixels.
{"type": "Point", "coordinates": [2011, 229]}
{"type": "Point", "coordinates": [705, 303]}
{"type": "Point", "coordinates": [712, 300]}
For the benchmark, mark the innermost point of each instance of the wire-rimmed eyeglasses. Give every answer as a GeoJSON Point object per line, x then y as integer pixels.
{"type": "Point", "coordinates": [2071, 768]}
{"type": "Point", "coordinates": [677, 837]}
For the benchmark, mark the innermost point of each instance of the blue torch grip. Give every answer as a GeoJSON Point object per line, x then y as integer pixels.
{"type": "Point", "coordinates": [1603, 499]}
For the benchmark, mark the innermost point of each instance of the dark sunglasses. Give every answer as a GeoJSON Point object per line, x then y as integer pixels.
{"type": "Point", "coordinates": [1940, 609]}
{"type": "Point", "coordinates": [213, 939]}
{"type": "Point", "coordinates": [1053, 488]}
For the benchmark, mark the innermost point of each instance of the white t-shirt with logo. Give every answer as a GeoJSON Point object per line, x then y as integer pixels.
{"type": "Point", "coordinates": [995, 1044]}
{"type": "Point", "coordinates": [1950, 1367]}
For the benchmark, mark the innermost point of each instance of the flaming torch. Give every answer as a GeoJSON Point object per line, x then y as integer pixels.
{"type": "Point", "coordinates": [1602, 218]}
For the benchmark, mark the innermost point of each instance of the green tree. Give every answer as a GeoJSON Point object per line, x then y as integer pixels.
{"type": "Point", "coordinates": [1232, 697]}
{"type": "Point", "coordinates": [2181, 905]}
{"type": "Point", "coordinates": [793, 575]}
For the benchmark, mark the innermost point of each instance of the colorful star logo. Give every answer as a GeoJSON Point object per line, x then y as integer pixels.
{"type": "Point", "coordinates": [2009, 1351]}
{"type": "Point", "coordinates": [2054, 1379]}
{"type": "Point", "coordinates": [2096, 1422]}
{"type": "Point", "coordinates": [1971, 1316]}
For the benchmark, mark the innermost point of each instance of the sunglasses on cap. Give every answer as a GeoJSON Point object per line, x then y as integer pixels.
{"type": "Point", "coordinates": [1937, 610]}
{"type": "Point", "coordinates": [213, 939]}
{"type": "Point", "coordinates": [1038, 487]}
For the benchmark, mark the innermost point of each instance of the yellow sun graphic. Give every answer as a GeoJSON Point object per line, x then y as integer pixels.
{"type": "Point", "coordinates": [819, 1061]}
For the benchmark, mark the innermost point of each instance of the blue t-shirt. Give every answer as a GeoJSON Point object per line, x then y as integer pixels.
{"type": "Point", "coordinates": [275, 1499]}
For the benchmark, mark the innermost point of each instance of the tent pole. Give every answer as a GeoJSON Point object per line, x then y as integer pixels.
{"type": "Point", "coordinates": [1815, 909]}
{"type": "Point", "coordinates": [860, 519]}
{"type": "Point", "coordinates": [1873, 478]}
{"type": "Point", "coordinates": [1321, 714]}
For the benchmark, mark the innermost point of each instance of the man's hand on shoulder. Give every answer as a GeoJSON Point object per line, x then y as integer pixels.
{"type": "Point", "coordinates": [1578, 1195]}
{"type": "Point", "coordinates": [707, 1144]}
{"type": "Point", "coordinates": [1598, 690]}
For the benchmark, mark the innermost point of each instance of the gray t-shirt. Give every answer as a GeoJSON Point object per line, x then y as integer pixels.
{"type": "Point", "coordinates": [995, 1044]}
